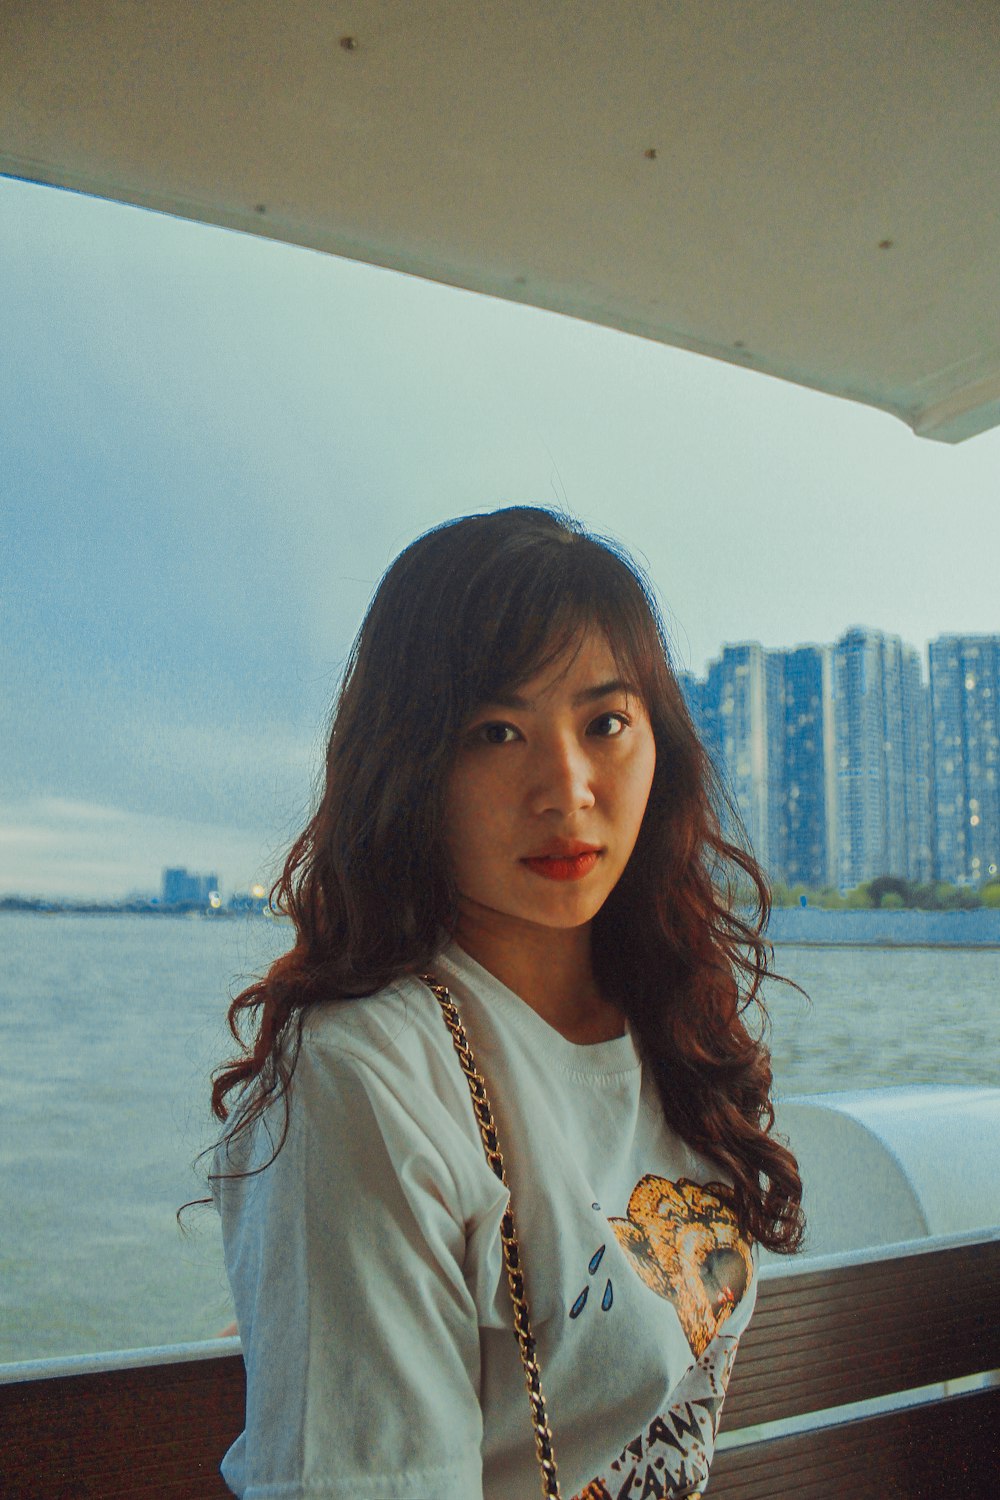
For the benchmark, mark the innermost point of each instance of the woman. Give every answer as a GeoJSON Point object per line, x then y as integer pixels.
{"type": "Point", "coordinates": [516, 807]}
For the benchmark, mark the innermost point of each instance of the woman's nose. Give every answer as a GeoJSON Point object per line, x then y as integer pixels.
{"type": "Point", "coordinates": [562, 780]}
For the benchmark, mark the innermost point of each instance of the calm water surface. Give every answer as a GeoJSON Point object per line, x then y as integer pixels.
{"type": "Point", "coordinates": [110, 1026]}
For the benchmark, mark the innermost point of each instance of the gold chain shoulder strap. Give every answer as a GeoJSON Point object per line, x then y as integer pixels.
{"type": "Point", "coordinates": [508, 1238]}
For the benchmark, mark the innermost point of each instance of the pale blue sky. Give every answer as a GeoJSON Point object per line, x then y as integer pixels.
{"type": "Point", "coordinates": [212, 445]}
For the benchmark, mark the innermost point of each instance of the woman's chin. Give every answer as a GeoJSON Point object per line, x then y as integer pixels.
{"type": "Point", "coordinates": [561, 910]}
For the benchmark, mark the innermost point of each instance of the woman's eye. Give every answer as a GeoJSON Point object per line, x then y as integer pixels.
{"type": "Point", "coordinates": [496, 734]}
{"type": "Point", "coordinates": [610, 726]}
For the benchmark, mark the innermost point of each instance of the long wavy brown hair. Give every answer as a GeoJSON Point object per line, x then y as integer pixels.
{"type": "Point", "coordinates": [467, 613]}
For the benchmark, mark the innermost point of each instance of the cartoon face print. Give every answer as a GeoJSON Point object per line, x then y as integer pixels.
{"type": "Point", "coordinates": [685, 1244]}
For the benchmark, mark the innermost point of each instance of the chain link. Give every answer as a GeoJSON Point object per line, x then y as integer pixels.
{"type": "Point", "coordinates": [508, 1239]}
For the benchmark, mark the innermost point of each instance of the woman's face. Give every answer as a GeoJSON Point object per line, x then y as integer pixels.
{"type": "Point", "coordinates": [547, 792]}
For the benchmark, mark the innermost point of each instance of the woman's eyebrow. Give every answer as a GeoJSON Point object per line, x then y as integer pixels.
{"type": "Point", "coordinates": [585, 695]}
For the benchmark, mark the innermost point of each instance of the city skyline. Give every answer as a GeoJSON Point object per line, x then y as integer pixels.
{"type": "Point", "coordinates": [824, 841]}
{"type": "Point", "coordinates": [845, 765]}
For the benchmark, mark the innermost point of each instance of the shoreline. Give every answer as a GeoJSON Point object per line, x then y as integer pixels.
{"type": "Point", "coordinates": [790, 927]}
{"type": "Point", "coordinates": [823, 927]}
{"type": "Point", "coordinates": [70, 909]}
{"type": "Point", "coordinates": [875, 943]}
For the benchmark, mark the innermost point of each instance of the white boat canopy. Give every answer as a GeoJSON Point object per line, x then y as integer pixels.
{"type": "Point", "coordinates": [808, 189]}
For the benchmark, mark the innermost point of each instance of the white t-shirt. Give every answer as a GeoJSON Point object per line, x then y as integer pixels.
{"type": "Point", "coordinates": [368, 1277]}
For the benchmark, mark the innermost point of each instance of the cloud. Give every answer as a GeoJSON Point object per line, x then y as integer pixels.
{"type": "Point", "coordinates": [53, 846]}
{"type": "Point", "coordinates": [214, 444]}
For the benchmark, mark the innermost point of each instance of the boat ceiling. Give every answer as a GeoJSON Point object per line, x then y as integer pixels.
{"type": "Point", "coordinates": [811, 190]}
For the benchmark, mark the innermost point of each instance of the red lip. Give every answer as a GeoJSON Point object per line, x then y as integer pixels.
{"type": "Point", "coordinates": [564, 849]}
{"type": "Point", "coordinates": [564, 859]}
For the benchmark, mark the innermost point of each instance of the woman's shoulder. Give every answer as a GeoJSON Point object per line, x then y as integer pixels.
{"type": "Point", "coordinates": [394, 1041]}
{"type": "Point", "coordinates": [389, 1058]}
{"type": "Point", "coordinates": [400, 1017]}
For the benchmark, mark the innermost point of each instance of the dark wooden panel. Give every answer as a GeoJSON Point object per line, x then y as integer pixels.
{"type": "Point", "coordinates": [136, 1434]}
{"type": "Point", "coordinates": [924, 1453]}
{"type": "Point", "coordinates": [819, 1339]}
{"type": "Point", "coordinates": [825, 1338]}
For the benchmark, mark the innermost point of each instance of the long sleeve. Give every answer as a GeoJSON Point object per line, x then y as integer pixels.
{"type": "Point", "coordinates": [359, 1333]}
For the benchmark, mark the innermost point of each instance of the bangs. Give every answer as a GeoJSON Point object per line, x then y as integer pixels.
{"type": "Point", "coordinates": [523, 617]}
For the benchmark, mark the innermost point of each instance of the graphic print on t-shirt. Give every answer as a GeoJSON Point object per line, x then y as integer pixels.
{"type": "Point", "coordinates": [609, 1291]}
{"type": "Point", "coordinates": [685, 1244]}
{"type": "Point", "coordinates": [672, 1456]}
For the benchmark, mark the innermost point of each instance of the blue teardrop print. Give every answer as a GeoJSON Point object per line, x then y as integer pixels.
{"type": "Point", "coordinates": [578, 1305]}
{"type": "Point", "coordinates": [608, 1297]}
{"type": "Point", "coordinates": [595, 1260]}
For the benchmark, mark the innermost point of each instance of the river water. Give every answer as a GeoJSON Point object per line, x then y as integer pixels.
{"type": "Point", "coordinates": [110, 1026]}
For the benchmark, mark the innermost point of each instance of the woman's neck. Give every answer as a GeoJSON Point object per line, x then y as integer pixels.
{"type": "Point", "coordinates": [550, 968]}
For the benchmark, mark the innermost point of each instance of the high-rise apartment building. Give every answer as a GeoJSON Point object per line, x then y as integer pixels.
{"type": "Point", "coordinates": [766, 718]}
{"type": "Point", "coordinates": [880, 732]}
{"type": "Point", "coordinates": [775, 779]}
{"type": "Point", "coordinates": [808, 790]}
{"type": "Point", "coordinates": [965, 714]}
{"type": "Point", "coordinates": [692, 689]}
{"type": "Point", "coordinates": [735, 728]}
{"type": "Point", "coordinates": [917, 759]}
{"type": "Point", "coordinates": [844, 765]}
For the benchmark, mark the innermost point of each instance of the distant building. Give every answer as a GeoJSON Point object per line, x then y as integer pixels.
{"type": "Point", "coordinates": [826, 753]}
{"type": "Point", "coordinates": [844, 765]}
{"type": "Point", "coordinates": [183, 889]}
{"type": "Point", "coordinates": [739, 735]}
{"type": "Point", "coordinates": [965, 718]}
{"type": "Point", "coordinates": [766, 717]}
{"type": "Point", "coordinates": [693, 690]}
{"type": "Point", "coordinates": [918, 760]}
{"type": "Point", "coordinates": [880, 726]}
{"type": "Point", "coordinates": [775, 813]}
{"type": "Point", "coordinates": [808, 787]}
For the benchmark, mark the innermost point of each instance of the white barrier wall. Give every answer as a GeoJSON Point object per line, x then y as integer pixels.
{"type": "Point", "coordinates": [884, 1165]}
